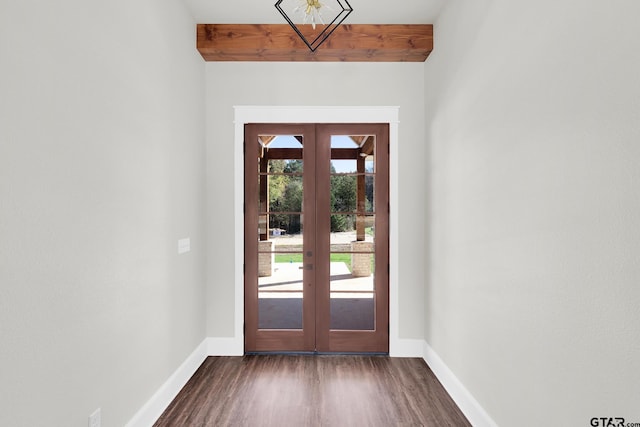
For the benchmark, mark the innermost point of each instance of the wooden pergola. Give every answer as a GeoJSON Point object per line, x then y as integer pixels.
{"type": "Point", "coordinates": [365, 148]}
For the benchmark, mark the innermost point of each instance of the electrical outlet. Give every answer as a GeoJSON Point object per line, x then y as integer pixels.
{"type": "Point", "coordinates": [94, 419]}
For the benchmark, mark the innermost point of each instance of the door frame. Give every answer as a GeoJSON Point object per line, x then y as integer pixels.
{"type": "Point", "coordinates": [307, 114]}
{"type": "Point", "coordinates": [316, 149]}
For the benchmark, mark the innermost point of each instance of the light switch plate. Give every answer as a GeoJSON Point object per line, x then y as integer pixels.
{"type": "Point", "coordinates": [184, 245]}
{"type": "Point", "coordinates": [94, 419]}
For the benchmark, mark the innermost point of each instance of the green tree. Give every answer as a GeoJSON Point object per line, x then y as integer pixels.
{"type": "Point", "coordinates": [277, 185]}
{"type": "Point", "coordinates": [343, 199]}
{"type": "Point", "coordinates": [285, 195]}
{"type": "Point", "coordinates": [368, 189]}
{"type": "Point", "coordinates": [293, 166]}
{"type": "Point", "coordinates": [293, 203]}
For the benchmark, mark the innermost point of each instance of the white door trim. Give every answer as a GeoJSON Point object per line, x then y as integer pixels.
{"type": "Point", "coordinates": [277, 114]}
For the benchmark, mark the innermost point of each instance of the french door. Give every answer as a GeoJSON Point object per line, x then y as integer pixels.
{"type": "Point", "coordinates": [316, 238]}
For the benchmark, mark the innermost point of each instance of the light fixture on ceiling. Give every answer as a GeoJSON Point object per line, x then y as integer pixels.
{"type": "Point", "coordinates": [312, 11]}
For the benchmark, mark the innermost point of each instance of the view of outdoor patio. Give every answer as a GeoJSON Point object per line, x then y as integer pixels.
{"type": "Point", "coordinates": [280, 292]}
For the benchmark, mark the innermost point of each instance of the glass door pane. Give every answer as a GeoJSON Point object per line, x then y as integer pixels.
{"type": "Point", "coordinates": [280, 231]}
{"type": "Point", "coordinates": [352, 242]}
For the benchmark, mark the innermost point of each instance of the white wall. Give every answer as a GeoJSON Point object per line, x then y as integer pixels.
{"type": "Point", "coordinates": [101, 172]}
{"type": "Point", "coordinates": [533, 124]}
{"type": "Point", "coordinates": [313, 84]}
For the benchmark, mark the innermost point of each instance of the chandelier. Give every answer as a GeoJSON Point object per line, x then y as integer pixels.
{"type": "Point", "coordinates": [328, 14]}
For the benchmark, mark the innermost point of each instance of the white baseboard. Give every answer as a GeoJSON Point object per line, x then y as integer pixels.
{"type": "Point", "coordinates": [151, 411]}
{"type": "Point", "coordinates": [469, 406]}
{"type": "Point", "coordinates": [225, 346]}
{"type": "Point", "coordinates": [406, 348]}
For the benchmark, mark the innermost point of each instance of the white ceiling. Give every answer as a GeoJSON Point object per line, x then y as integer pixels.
{"type": "Point", "coordinates": [364, 11]}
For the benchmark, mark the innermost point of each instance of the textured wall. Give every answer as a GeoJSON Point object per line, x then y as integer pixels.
{"type": "Point", "coordinates": [533, 124]}
{"type": "Point", "coordinates": [101, 172]}
{"type": "Point", "coordinates": [314, 84]}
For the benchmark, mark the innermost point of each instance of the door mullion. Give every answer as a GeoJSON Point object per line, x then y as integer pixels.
{"type": "Point", "coordinates": [322, 236]}
{"type": "Point", "coordinates": [309, 250]}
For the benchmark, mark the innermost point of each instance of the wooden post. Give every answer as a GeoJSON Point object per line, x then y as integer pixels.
{"type": "Point", "coordinates": [264, 195]}
{"type": "Point", "coordinates": [361, 203]}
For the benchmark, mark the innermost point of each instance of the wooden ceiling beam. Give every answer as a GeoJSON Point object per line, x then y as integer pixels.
{"type": "Point", "coordinates": [296, 154]}
{"type": "Point", "coordinates": [348, 43]}
{"type": "Point", "coordinates": [367, 147]}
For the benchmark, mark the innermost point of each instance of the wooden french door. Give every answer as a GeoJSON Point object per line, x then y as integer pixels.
{"type": "Point", "coordinates": [316, 238]}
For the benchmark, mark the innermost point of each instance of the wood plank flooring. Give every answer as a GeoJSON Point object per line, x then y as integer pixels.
{"type": "Point", "coordinates": [300, 391]}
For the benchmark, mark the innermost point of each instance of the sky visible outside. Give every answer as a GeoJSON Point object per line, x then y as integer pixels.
{"type": "Point", "coordinates": [337, 141]}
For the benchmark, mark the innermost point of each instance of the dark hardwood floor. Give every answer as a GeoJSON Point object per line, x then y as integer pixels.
{"type": "Point", "coordinates": [286, 390]}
